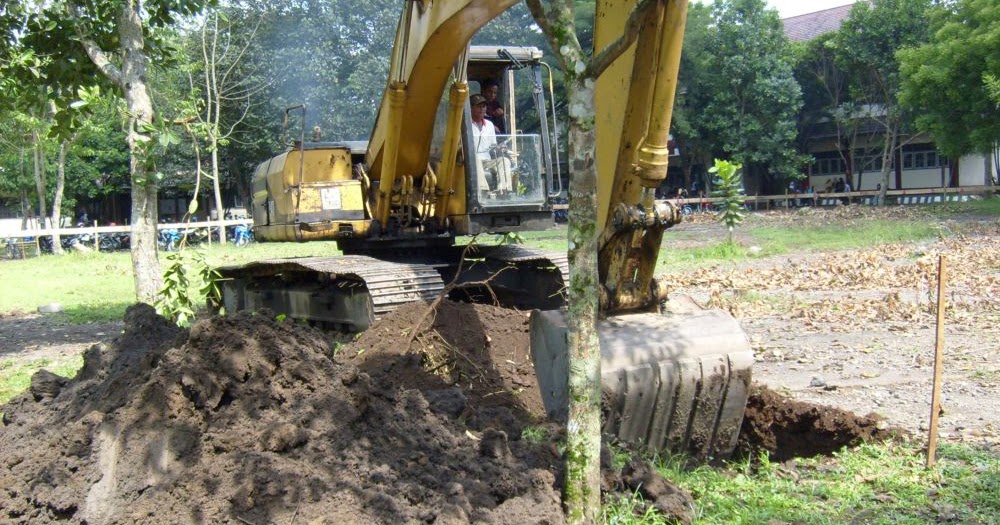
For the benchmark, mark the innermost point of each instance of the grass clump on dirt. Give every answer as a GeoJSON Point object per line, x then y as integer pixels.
{"type": "Point", "coordinates": [872, 483]}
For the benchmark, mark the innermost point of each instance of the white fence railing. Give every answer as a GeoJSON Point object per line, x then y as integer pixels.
{"type": "Point", "coordinates": [96, 230]}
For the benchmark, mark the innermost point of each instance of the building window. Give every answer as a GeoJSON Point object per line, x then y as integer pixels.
{"type": "Point", "coordinates": [829, 166]}
{"type": "Point", "coordinates": [923, 159]}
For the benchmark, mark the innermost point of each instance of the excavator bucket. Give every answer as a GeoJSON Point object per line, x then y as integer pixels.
{"type": "Point", "coordinates": [673, 381]}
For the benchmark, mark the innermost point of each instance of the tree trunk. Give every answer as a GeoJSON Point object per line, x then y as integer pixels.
{"type": "Point", "coordinates": [145, 264]}
{"type": "Point", "coordinates": [38, 155]}
{"type": "Point", "coordinates": [56, 221]}
{"type": "Point", "coordinates": [27, 211]}
{"type": "Point", "coordinates": [583, 435]}
{"type": "Point", "coordinates": [888, 153]}
{"type": "Point", "coordinates": [218, 191]}
{"type": "Point", "coordinates": [988, 169]}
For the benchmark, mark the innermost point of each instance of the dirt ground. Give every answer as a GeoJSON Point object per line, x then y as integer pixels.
{"type": "Point", "coordinates": [245, 419]}
{"type": "Point", "coordinates": [855, 329]}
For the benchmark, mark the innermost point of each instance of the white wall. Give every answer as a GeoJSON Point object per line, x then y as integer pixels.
{"type": "Point", "coordinates": [971, 171]}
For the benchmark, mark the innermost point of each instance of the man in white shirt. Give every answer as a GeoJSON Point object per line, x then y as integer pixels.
{"type": "Point", "coordinates": [484, 134]}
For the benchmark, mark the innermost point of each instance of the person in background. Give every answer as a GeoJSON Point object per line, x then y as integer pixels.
{"type": "Point", "coordinates": [494, 109]}
{"type": "Point", "coordinates": [793, 187]}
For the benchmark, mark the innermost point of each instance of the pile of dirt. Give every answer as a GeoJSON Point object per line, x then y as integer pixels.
{"type": "Point", "coordinates": [249, 420]}
{"type": "Point", "coordinates": [786, 428]}
{"type": "Point", "coordinates": [246, 419]}
{"type": "Point", "coordinates": [479, 350]}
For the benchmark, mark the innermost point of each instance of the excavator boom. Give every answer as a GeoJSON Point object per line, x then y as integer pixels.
{"type": "Point", "coordinates": [675, 376]}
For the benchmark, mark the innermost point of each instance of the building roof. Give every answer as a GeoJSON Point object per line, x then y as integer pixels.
{"type": "Point", "coordinates": [803, 28]}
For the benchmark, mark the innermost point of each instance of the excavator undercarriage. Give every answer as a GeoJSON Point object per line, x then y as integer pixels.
{"type": "Point", "coordinates": [350, 292]}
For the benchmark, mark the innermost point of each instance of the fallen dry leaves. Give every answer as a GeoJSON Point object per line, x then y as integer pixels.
{"type": "Point", "coordinates": [888, 283]}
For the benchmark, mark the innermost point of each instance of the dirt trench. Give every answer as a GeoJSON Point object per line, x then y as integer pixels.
{"type": "Point", "coordinates": [245, 419]}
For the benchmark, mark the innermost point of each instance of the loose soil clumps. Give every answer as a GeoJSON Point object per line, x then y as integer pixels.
{"type": "Point", "coordinates": [246, 419]}
{"type": "Point", "coordinates": [250, 420]}
{"type": "Point", "coordinates": [786, 428]}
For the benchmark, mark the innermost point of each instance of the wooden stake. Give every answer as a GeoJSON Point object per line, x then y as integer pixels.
{"type": "Point", "coordinates": [938, 364]}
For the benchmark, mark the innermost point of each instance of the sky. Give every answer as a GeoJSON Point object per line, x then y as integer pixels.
{"type": "Point", "coordinates": [789, 8]}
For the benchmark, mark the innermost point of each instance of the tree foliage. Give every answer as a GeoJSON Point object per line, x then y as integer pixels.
{"type": "Point", "coordinates": [741, 95]}
{"type": "Point", "coordinates": [867, 44]}
{"type": "Point", "coordinates": [945, 82]}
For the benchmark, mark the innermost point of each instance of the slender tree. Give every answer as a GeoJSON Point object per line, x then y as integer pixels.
{"type": "Point", "coordinates": [227, 90]}
{"type": "Point", "coordinates": [580, 68]}
{"type": "Point", "coordinates": [867, 43]}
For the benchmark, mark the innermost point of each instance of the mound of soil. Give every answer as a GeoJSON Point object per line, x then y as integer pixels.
{"type": "Point", "coordinates": [246, 419]}
{"type": "Point", "coordinates": [787, 429]}
{"type": "Point", "coordinates": [252, 421]}
{"type": "Point", "coordinates": [479, 350]}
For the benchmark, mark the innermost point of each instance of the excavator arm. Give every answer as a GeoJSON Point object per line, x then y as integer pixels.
{"type": "Point", "coordinates": [633, 106]}
{"type": "Point", "coordinates": [431, 37]}
{"type": "Point", "coordinates": [674, 375]}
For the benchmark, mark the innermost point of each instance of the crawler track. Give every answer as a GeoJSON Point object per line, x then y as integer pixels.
{"type": "Point", "coordinates": [350, 292]}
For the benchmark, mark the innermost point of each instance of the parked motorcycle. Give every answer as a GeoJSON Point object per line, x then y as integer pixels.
{"type": "Point", "coordinates": [169, 239]}
{"type": "Point", "coordinates": [242, 235]}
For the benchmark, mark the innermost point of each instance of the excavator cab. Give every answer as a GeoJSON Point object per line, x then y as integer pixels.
{"type": "Point", "coordinates": [507, 176]}
{"type": "Point", "coordinates": [518, 166]}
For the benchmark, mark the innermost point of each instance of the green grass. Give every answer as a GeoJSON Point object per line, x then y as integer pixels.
{"type": "Point", "coordinates": [90, 286]}
{"type": "Point", "coordinates": [15, 374]}
{"type": "Point", "coordinates": [839, 237]}
{"type": "Point", "coordinates": [99, 286]}
{"type": "Point", "coordinates": [630, 510]}
{"type": "Point", "coordinates": [553, 239]}
{"type": "Point", "coordinates": [871, 484]}
{"type": "Point", "coordinates": [985, 207]}
{"type": "Point", "coordinates": [533, 434]}
{"type": "Point", "coordinates": [771, 241]}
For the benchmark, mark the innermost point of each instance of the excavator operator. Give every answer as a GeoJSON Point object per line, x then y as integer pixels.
{"type": "Point", "coordinates": [484, 134]}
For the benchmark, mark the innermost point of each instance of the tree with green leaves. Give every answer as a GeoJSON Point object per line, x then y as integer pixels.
{"type": "Point", "coordinates": [945, 82]}
{"type": "Point", "coordinates": [753, 97]}
{"type": "Point", "coordinates": [227, 90]}
{"type": "Point", "coordinates": [828, 108]}
{"type": "Point", "coordinates": [867, 43]}
{"type": "Point", "coordinates": [739, 97]}
{"type": "Point", "coordinates": [695, 78]}
{"type": "Point", "coordinates": [110, 40]}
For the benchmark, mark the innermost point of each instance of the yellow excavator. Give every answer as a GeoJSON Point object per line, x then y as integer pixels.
{"type": "Point", "coordinates": [675, 376]}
